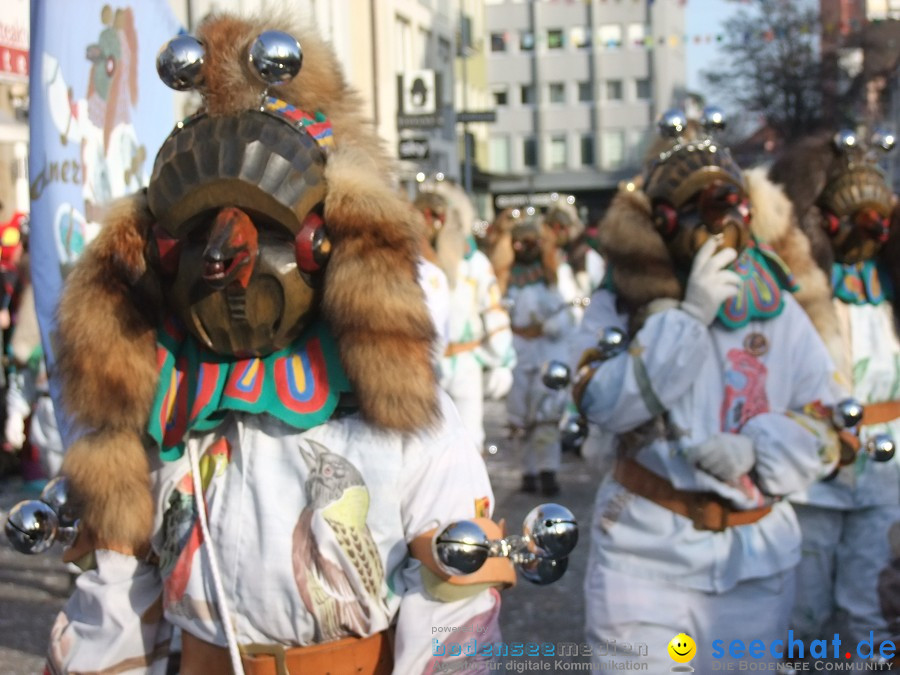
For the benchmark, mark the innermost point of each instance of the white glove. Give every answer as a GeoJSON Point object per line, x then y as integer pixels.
{"type": "Point", "coordinates": [725, 456]}
{"type": "Point", "coordinates": [498, 383]}
{"type": "Point", "coordinates": [15, 431]}
{"type": "Point", "coordinates": [709, 283]}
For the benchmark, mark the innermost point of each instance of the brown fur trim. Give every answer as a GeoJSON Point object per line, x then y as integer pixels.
{"type": "Point", "coordinates": [232, 88]}
{"type": "Point", "coordinates": [803, 170]}
{"type": "Point", "coordinates": [642, 268]}
{"type": "Point", "coordinates": [109, 480]}
{"type": "Point", "coordinates": [106, 339]}
{"type": "Point", "coordinates": [372, 299]}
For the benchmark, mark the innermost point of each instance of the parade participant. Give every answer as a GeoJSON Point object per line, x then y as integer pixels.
{"type": "Point", "coordinates": [573, 239]}
{"type": "Point", "coordinates": [542, 319]}
{"type": "Point", "coordinates": [250, 353]}
{"type": "Point", "coordinates": [844, 205]}
{"type": "Point", "coordinates": [718, 399]}
{"type": "Point", "coordinates": [479, 337]}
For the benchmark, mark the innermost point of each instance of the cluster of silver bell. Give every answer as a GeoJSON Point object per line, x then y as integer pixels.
{"type": "Point", "coordinates": [556, 375]}
{"type": "Point", "coordinates": [274, 57]}
{"type": "Point", "coordinates": [540, 553]}
{"type": "Point", "coordinates": [34, 525]}
{"type": "Point", "coordinates": [847, 415]}
{"type": "Point", "coordinates": [673, 122]}
{"type": "Point", "coordinates": [847, 139]}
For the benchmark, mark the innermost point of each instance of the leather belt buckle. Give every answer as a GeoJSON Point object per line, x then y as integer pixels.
{"type": "Point", "coordinates": [278, 652]}
{"type": "Point", "coordinates": [702, 511]}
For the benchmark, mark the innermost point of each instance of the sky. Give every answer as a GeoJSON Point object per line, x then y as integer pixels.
{"type": "Point", "coordinates": [705, 17]}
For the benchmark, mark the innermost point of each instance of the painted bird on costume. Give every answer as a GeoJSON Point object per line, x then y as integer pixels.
{"type": "Point", "coordinates": [338, 594]}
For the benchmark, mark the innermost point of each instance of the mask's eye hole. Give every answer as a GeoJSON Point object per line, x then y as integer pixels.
{"type": "Point", "coordinates": [665, 219]}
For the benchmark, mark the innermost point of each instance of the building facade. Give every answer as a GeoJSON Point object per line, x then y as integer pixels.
{"type": "Point", "coordinates": [577, 87]}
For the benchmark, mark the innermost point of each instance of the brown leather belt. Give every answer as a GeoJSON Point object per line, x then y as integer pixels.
{"type": "Point", "coordinates": [706, 510]}
{"type": "Point", "coordinates": [529, 332]}
{"type": "Point", "coordinates": [881, 413]}
{"type": "Point", "coordinates": [372, 655]}
{"type": "Point", "coordinates": [455, 348]}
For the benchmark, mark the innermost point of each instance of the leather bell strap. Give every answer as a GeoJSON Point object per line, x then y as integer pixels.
{"type": "Point", "coordinates": [881, 413]}
{"type": "Point", "coordinates": [495, 571]}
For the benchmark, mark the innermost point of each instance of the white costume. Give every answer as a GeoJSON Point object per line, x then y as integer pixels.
{"type": "Point", "coordinates": [359, 494]}
{"type": "Point", "coordinates": [651, 573]}
{"type": "Point", "coordinates": [480, 339]}
{"type": "Point", "coordinates": [846, 520]}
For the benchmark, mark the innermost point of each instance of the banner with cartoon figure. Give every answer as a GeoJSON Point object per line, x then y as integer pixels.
{"type": "Point", "coordinates": [98, 113]}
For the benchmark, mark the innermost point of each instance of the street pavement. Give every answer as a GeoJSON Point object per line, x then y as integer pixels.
{"type": "Point", "coordinates": [539, 618]}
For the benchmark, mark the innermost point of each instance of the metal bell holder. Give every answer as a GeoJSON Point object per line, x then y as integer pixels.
{"type": "Point", "coordinates": [34, 525]}
{"type": "Point", "coordinates": [847, 415]}
{"type": "Point", "coordinates": [540, 553]}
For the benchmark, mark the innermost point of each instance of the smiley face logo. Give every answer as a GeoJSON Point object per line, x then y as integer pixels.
{"type": "Point", "coordinates": [682, 648]}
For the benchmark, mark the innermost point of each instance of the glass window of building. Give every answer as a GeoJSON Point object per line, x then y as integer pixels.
{"type": "Point", "coordinates": [614, 90]}
{"type": "Point", "coordinates": [557, 92]}
{"type": "Point", "coordinates": [610, 35]}
{"type": "Point", "coordinates": [528, 94]}
{"type": "Point", "coordinates": [555, 38]}
{"type": "Point", "coordinates": [501, 96]}
{"type": "Point", "coordinates": [403, 59]}
{"type": "Point", "coordinates": [580, 37]}
{"type": "Point", "coordinates": [636, 34]}
{"type": "Point", "coordinates": [587, 149]}
{"type": "Point", "coordinates": [529, 152]}
{"type": "Point", "coordinates": [585, 92]}
{"type": "Point", "coordinates": [499, 154]}
{"type": "Point", "coordinates": [526, 40]}
{"type": "Point", "coordinates": [498, 42]}
{"type": "Point", "coordinates": [612, 149]}
{"type": "Point", "coordinates": [642, 89]}
{"type": "Point", "coordinates": [558, 154]}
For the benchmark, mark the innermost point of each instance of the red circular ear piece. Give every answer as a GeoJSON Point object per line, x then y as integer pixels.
{"type": "Point", "coordinates": [311, 245]}
{"type": "Point", "coordinates": [165, 249]}
{"type": "Point", "coordinates": [665, 219]}
{"type": "Point", "coordinates": [832, 224]}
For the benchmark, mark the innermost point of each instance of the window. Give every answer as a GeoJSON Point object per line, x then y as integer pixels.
{"type": "Point", "coordinates": [498, 42]}
{"type": "Point", "coordinates": [610, 35]}
{"type": "Point", "coordinates": [526, 41]}
{"type": "Point", "coordinates": [529, 152]}
{"type": "Point", "coordinates": [424, 48]}
{"type": "Point", "coordinates": [642, 89]}
{"type": "Point", "coordinates": [614, 90]}
{"type": "Point", "coordinates": [528, 94]}
{"type": "Point", "coordinates": [555, 38]}
{"type": "Point", "coordinates": [612, 150]}
{"type": "Point", "coordinates": [501, 96]}
{"type": "Point", "coordinates": [558, 154]}
{"type": "Point", "coordinates": [580, 37]}
{"type": "Point", "coordinates": [585, 92]}
{"type": "Point", "coordinates": [636, 34]}
{"type": "Point", "coordinates": [499, 154]}
{"type": "Point", "coordinates": [587, 150]}
{"type": "Point", "coordinates": [403, 59]}
{"type": "Point", "coordinates": [557, 92]}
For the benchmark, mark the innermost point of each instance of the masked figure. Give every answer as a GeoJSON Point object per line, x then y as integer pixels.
{"type": "Point", "coordinates": [480, 339]}
{"type": "Point", "coordinates": [573, 238]}
{"type": "Point", "coordinates": [251, 355]}
{"type": "Point", "coordinates": [716, 396]}
{"type": "Point", "coordinates": [844, 205]}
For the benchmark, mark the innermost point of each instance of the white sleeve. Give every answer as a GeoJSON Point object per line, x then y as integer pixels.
{"type": "Point", "coordinates": [113, 621]}
{"type": "Point", "coordinates": [449, 482]}
{"type": "Point", "coordinates": [658, 368]}
{"type": "Point", "coordinates": [496, 349]}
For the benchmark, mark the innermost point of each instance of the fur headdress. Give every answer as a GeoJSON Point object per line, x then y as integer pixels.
{"type": "Point", "coordinates": [452, 243]}
{"type": "Point", "coordinates": [643, 269]}
{"type": "Point", "coordinates": [370, 297]}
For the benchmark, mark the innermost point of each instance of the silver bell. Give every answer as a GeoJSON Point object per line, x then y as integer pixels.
{"type": "Point", "coordinates": [56, 495]}
{"type": "Point", "coordinates": [713, 119]}
{"type": "Point", "coordinates": [883, 139]}
{"type": "Point", "coordinates": [461, 548]}
{"type": "Point", "coordinates": [543, 571]}
{"type": "Point", "coordinates": [845, 139]}
{"type": "Point", "coordinates": [553, 530]}
{"type": "Point", "coordinates": [573, 433]}
{"type": "Point", "coordinates": [612, 342]}
{"type": "Point", "coordinates": [31, 526]}
{"type": "Point", "coordinates": [672, 123]}
{"type": "Point", "coordinates": [275, 57]}
{"type": "Point", "coordinates": [179, 62]}
{"type": "Point", "coordinates": [556, 375]}
{"type": "Point", "coordinates": [880, 447]}
{"type": "Point", "coordinates": [847, 414]}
